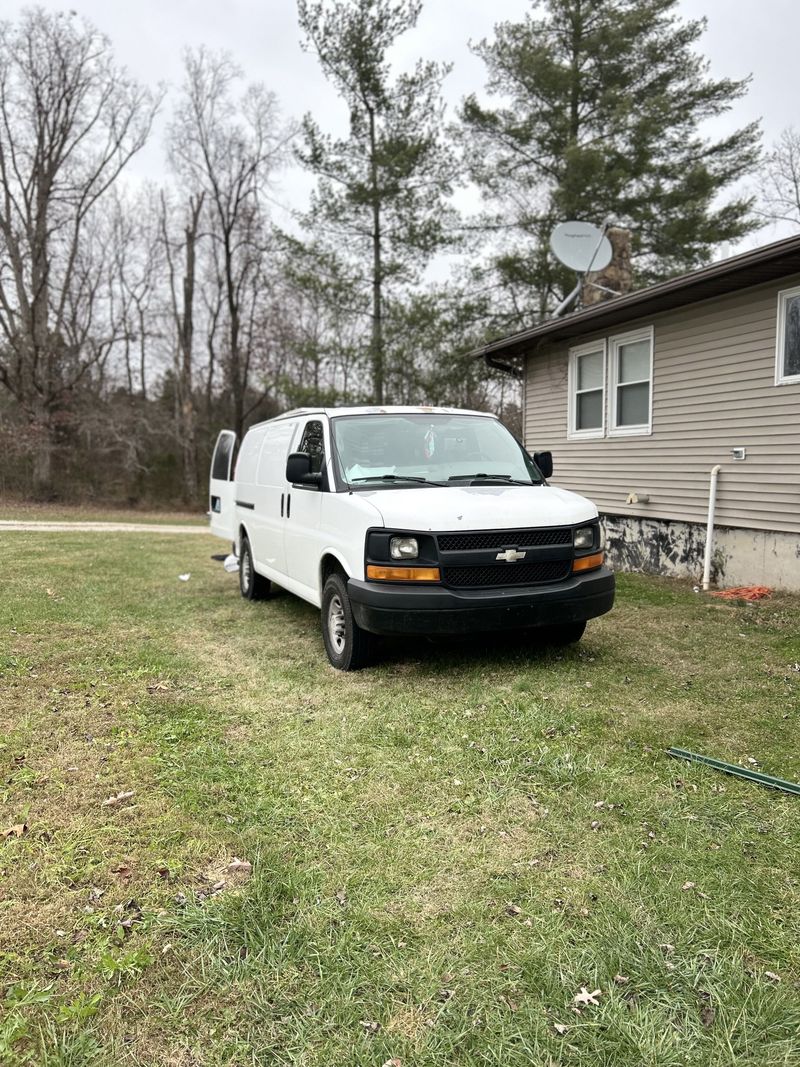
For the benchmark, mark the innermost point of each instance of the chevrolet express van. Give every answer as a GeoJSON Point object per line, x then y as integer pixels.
{"type": "Point", "coordinates": [407, 520]}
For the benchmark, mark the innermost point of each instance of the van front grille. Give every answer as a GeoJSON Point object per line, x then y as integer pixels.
{"type": "Point", "coordinates": [555, 570]}
{"type": "Point", "coordinates": [488, 539]}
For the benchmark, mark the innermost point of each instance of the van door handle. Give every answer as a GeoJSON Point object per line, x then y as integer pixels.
{"type": "Point", "coordinates": [282, 496]}
{"type": "Point", "coordinates": [288, 505]}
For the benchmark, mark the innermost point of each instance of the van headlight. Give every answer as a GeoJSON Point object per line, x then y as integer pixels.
{"type": "Point", "coordinates": [584, 537]}
{"type": "Point", "coordinates": [403, 548]}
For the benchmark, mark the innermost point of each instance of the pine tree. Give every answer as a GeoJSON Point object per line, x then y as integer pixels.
{"type": "Point", "coordinates": [380, 193]}
{"type": "Point", "coordinates": [604, 105]}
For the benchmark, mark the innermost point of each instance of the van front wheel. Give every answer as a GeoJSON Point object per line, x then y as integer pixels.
{"type": "Point", "coordinates": [349, 647]}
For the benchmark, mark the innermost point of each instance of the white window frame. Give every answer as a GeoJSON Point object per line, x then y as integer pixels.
{"type": "Point", "coordinates": [573, 433]}
{"type": "Point", "coordinates": [783, 298]}
{"type": "Point", "coordinates": [615, 343]}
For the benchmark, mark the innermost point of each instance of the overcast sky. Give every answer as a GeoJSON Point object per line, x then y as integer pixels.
{"type": "Point", "coordinates": [263, 36]}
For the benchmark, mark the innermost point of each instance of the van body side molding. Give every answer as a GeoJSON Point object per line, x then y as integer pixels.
{"type": "Point", "coordinates": [244, 504]}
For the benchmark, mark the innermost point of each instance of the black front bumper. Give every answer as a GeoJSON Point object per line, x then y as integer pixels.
{"type": "Point", "coordinates": [434, 609]}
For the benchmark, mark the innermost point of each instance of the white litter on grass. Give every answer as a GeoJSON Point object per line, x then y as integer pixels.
{"type": "Point", "coordinates": [231, 563]}
{"type": "Point", "coordinates": [184, 577]}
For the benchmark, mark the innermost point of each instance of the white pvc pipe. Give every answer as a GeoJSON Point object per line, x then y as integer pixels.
{"type": "Point", "coordinates": [712, 504]}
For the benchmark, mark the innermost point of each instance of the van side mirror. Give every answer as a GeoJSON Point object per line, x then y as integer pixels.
{"type": "Point", "coordinates": [298, 470]}
{"type": "Point", "coordinates": [544, 461]}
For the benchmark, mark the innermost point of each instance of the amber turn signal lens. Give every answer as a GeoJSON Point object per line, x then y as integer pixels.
{"type": "Point", "coordinates": [403, 574]}
{"type": "Point", "coordinates": [588, 563]}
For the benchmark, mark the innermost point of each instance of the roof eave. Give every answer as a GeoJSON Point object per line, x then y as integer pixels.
{"type": "Point", "coordinates": [759, 265]}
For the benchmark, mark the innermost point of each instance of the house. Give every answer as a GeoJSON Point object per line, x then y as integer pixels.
{"type": "Point", "coordinates": [641, 396]}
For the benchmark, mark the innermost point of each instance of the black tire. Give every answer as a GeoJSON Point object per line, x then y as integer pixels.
{"type": "Point", "coordinates": [349, 647]}
{"type": "Point", "coordinates": [568, 634]}
{"type": "Point", "coordinates": [252, 586]}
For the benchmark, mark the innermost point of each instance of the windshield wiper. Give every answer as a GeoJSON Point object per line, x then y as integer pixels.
{"type": "Point", "coordinates": [394, 478]}
{"type": "Point", "coordinates": [506, 479]}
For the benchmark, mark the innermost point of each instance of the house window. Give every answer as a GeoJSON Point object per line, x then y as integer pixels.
{"type": "Point", "coordinates": [788, 346]}
{"type": "Point", "coordinates": [631, 383]}
{"type": "Point", "coordinates": [587, 374]}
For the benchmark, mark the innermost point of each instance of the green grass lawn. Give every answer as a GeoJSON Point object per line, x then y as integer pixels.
{"type": "Point", "coordinates": [445, 849]}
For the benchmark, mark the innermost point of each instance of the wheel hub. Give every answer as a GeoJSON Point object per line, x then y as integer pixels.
{"type": "Point", "coordinates": [337, 627]}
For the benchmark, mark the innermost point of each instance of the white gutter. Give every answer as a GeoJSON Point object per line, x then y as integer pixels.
{"type": "Point", "coordinates": [712, 503]}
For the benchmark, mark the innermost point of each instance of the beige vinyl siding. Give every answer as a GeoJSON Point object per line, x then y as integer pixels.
{"type": "Point", "coordinates": [713, 389]}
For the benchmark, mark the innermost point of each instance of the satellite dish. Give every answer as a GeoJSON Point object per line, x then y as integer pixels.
{"type": "Point", "coordinates": [581, 246]}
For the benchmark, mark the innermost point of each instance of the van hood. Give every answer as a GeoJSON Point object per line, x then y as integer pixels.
{"type": "Point", "coordinates": [484, 507]}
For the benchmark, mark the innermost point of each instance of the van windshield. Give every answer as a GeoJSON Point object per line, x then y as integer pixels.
{"type": "Point", "coordinates": [407, 450]}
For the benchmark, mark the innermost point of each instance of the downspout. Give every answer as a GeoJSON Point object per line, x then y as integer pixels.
{"type": "Point", "coordinates": [712, 504]}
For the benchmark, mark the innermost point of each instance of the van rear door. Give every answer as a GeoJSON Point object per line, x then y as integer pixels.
{"type": "Point", "coordinates": [221, 502]}
{"type": "Point", "coordinates": [269, 517]}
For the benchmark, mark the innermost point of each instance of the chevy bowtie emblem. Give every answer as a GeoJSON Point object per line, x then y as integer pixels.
{"type": "Point", "coordinates": [511, 555]}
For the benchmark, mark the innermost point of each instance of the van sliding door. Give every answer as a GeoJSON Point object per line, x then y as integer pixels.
{"type": "Point", "coordinates": [269, 515]}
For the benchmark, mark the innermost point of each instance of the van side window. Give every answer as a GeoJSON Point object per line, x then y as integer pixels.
{"type": "Point", "coordinates": [313, 442]}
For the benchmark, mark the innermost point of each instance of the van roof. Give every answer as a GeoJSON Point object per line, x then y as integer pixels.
{"type": "Point", "coordinates": [376, 409]}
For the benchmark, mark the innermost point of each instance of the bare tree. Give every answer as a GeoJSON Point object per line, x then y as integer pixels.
{"type": "Point", "coordinates": [226, 149]}
{"type": "Point", "coordinates": [138, 271]}
{"type": "Point", "coordinates": [69, 123]}
{"type": "Point", "coordinates": [182, 305]}
{"type": "Point", "coordinates": [780, 180]}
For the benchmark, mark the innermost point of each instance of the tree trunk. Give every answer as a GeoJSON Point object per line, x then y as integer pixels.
{"type": "Point", "coordinates": [188, 420]}
{"type": "Point", "coordinates": [41, 425]}
{"type": "Point", "coordinates": [376, 342]}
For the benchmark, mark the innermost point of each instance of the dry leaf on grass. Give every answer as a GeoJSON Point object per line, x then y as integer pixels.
{"type": "Point", "coordinates": [237, 866]}
{"type": "Point", "coordinates": [118, 798]}
{"type": "Point", "coordinates": [708, 1012]}
{"type": "Point", "coordinates": [394, 1062]}
{"type": "Point", "coordinates": [17, 830]}
{"type": "Point", "coordinates": [772, 976]}
{"type": "Point", "coordinates": [123, 872]}
{"type": "Point", "coordinates": [585, 998]}
{"type": "Point", "coordinates": [621, 979]}
{"type": "Point", "coordinates": [560, 1029]}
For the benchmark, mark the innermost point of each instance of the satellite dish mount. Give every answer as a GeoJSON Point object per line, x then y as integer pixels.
{"type": "Point", "coordinates": [583, 248]}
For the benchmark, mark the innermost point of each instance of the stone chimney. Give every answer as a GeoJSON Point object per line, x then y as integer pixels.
{"type": "Point", "coordinates": [617, 275]}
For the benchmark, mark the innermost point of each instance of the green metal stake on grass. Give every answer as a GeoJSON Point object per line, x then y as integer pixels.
{"type": "Point", "coordinates": [737, 771]}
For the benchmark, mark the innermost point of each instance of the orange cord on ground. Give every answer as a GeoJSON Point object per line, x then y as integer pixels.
{"type": "Point", "coordinates": [745, 592]}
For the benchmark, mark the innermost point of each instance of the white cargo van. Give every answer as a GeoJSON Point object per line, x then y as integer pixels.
{"type": "Point", "coordinates": [404, 520]}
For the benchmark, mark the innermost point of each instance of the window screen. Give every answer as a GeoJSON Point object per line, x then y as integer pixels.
{"type": "Point", "coordinates": [633, 369]}
{"type": "Point", "coordinates": [589, 391]}
{"type": "Point", "coordinates": [790, 354]}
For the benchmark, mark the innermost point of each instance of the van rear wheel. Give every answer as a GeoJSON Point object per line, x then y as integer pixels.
{"type": "Point", "coordinates": [349, 647]}
{"type": "Point", "coordinates": [252, 586]}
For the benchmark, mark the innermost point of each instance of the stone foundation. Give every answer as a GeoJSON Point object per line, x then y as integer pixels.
{"type": "Point", "coordinates": [676, 549]}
